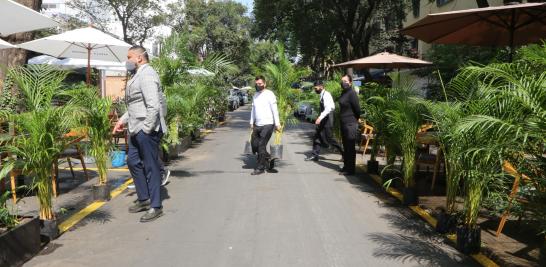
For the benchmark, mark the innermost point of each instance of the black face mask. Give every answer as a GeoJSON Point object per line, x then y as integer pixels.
{"type": "Point", "coordinates": [318, 91]}
{"type": "Point", "coordinates": [258, 88]}
{"type": "Point", "coordinates": [345, 86]}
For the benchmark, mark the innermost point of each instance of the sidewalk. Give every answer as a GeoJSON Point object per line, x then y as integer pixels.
{"type": "Point", "coordinates": [217, 214]}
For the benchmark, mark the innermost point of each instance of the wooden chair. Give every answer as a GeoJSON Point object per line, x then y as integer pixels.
{"type": "Point", "coordinates": [518, 178]}
{"type": "Point", "coordinates": [120, 135]}
{"type": "Point", "coordinates": [428, 158]}
{"type": "Point", "coordinates": [72, 151]}
{"type": "Point", "coordinates": [366, 135]}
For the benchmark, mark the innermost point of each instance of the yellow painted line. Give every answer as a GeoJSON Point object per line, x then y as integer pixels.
{"type": "Point", "coordinates": [94, 169]}
{"type": "Point", "coordinates": [424, 214]}
{"type": "Point", "coordinates": [480, 258]}
{"type": "Point", "coordinates": [74, 219]}
{"type": "Point", "coordinates": [120, 188]}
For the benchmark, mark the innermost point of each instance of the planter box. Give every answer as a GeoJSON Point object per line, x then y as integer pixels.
{"type": "Point", "coordinates": [20, 243]}
{"type": "Point", "coordinates": [185, 143]}
{"type": "Point", "coordinates": [175, 151]}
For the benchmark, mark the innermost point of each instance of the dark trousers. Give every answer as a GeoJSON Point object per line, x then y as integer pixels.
{"type": "Point", "coordinates": [259, 140]}
{"type": "Point", "coordinates": [348, 134]}
{"type": "Point", "coordinates": [143, 163]}
{"type": "Point", "coordinates": [324, 137]}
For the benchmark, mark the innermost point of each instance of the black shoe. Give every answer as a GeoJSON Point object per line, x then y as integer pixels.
{"type": "Point", "coordinates": [257, 172]}
{"type": "Point", "coordinates": [342, 169]}
{"type": "Point", "coordinates": [139, 206]}
{"type": "Point", "coordinates": [312, 158]}
{"type": "Point", "coordinates": [151, 215]}
{"type": "Point", "coordinates": [271, 164]}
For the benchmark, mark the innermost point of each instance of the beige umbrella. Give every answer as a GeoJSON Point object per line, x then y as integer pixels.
{"type": "Point", "coordinates": [385, 60]}
{"type": "Point", "coordinates": [509, 25]}
{"type": "Point", "coordinates": [4, 45]}
{"type": "Point", "coordinates": [15, 17]}
{"type": "Point", "coordinates": [85, 43]}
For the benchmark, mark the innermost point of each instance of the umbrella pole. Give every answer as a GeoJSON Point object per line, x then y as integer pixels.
{"type": "Point", "coordinates": [512, 29]}
{"type": "Point", "coordinates": [88, 73]}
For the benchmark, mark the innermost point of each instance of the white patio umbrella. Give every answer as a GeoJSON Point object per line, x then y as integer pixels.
{"type": "Point", "coordinates": [4, 44]}
{"type": "Point", "coordinates": [76, 63]}
{"type": "Point", "coordinates": [15, 17]}
{"type": "Point", "coordinates": [85, 43]}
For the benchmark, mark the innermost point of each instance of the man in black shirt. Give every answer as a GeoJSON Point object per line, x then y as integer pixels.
{"type": "Point", "coordinates": [349, 107]}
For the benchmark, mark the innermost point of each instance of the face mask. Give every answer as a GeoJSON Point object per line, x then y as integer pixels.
{"type": "Point", "coordinates": [318, 91]}
{"type": "Point", "coordinates": [258, 88]}
{"type": "Point", "coordinates": [130, 65]}
{"type": "Point", "coordinates": [345, 86]}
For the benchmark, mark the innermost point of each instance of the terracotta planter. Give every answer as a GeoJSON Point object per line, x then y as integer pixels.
{"type": "Point", "coordinates": [20, 243]}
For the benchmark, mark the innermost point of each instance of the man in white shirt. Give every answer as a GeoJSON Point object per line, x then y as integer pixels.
{"type": "Point", "coordinates": [325, 123]}
{"type": "Point", "coordinates": [263, 119]}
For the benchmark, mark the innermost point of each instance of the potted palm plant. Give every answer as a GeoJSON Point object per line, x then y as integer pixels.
{"type": "Point", "coordinates": [40, 128]}
{"type": "Point", "coordinates": [404, 118]}
{"type": "Point", "coordinates": [97, 124]}
{"type": "Point", "coordinates": [280, 76]}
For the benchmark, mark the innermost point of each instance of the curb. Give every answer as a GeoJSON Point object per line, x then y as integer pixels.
{"type": "Point", "coordinates": [480, 257]}
{"type": "Point", "coordinates": [80, 215]}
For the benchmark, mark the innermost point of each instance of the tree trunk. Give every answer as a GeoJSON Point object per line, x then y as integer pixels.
{"type": "Point", "coordinates": [15, 57]}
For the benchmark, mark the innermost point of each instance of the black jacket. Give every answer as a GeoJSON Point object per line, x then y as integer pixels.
{"type": "Point", "coordinates": [349, 106]}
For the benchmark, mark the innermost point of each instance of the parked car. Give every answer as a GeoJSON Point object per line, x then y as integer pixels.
{"type": "Point", "coordinates": [312, 116]}
{"type": "Point", "coordinates": [233, 100]}
{"type": "Point", "coordinates": [303, 110]}
{"type": "Point", "coordinates": [239, 95]}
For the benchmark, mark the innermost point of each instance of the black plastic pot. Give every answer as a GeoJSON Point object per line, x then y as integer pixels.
{"type": "Point", "coordinates": [373, 166]}
{"type": "Point", "coordinates": [542, 255]}
{"type": "Point", "coordinates": [248, 148]}
{"type": "Point", "coordinates": [410, 196]}
{"type": "Point", "coordinates": [20, 243]}
{"type": "Point", "coordinates": [49, 229]}
{"type": "Point", "coordinates": [446, 223]}
{"type": "Point", "coordinates": [101, 192]}
{"type": "Point", "coordinates": [469, 239]}
{"type": "Point", "coordinates": [276, 151]}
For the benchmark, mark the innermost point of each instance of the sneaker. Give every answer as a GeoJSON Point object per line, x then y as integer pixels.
{"type": "Point", "coordinates": [312, 158]}
{"type": "Point", "coordinates": [151, 215]}
{"type": "Point", "coordinates": [257, 172]}
{"type": "Point", "coordinates": [165, 177]}
{"type": "Point", "coordinates": [139, 206]}
{"type": "Point", "coordinates": [131, 186]}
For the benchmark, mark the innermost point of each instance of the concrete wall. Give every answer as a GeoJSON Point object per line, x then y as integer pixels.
{"type": "Point", "coordinates": [115, 86]}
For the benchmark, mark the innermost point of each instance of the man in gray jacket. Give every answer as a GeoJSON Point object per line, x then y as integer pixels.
{"type": "Point", "coordinates": [145, 118]}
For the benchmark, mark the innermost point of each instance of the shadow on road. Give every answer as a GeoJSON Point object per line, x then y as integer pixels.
{"type": "Point", "coordinates": [415, 243]}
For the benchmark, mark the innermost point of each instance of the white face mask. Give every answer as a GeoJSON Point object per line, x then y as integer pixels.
{"type": "Point", "coordinates": [130, 65]}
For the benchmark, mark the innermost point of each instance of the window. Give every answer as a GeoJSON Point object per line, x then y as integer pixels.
{"type": "Point", "coordinates": [442, 2]}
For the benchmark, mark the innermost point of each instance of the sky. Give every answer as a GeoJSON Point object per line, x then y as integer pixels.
{"type": "Point", "coordinates": [248, 3]}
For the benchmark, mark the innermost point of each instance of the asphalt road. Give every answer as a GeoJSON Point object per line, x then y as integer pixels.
{"type": "Point", "coordinates": [217, 214]}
